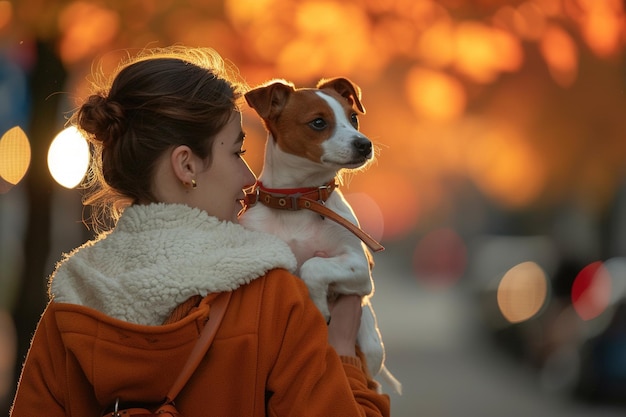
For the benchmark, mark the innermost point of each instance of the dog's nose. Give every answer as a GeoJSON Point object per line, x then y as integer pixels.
{"type": "Point", "coordinates": [363, 146]}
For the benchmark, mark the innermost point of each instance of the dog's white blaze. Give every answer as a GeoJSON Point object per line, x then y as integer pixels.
{"type": "Point", "coordinates": [339, 146]}
{"type": "Point", "coordinates": [340, 115]}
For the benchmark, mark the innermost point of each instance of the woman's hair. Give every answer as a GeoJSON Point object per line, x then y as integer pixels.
{"type": "Point", "coordinates": [160, 99]}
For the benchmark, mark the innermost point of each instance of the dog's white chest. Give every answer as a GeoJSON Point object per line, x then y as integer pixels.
{"type": "Point", "coordinates": [307, 233]}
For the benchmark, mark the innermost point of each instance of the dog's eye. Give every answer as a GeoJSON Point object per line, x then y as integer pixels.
{"type": "Point", "coordinates": [354, 119]}
{"type": "Point", "coordinates": [318, 124]}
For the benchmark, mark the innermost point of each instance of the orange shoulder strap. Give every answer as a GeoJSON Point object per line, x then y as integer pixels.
{"type": "Point", "coordinates": [216, 313]}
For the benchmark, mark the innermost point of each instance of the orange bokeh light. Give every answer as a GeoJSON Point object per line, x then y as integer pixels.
{"type": "Point", "coordinates": [482, 52]}
{"type": "Point", "coordinates": [529, 21]}
{"type": "Point", "coordinates": [6, 14]}
{"type": "Point", "coordinates": [322, 40]}
{"type": "Point", "coordinates": [522, 292]}
{"type": "Point", "coordinates": [435, 95]}
{"type": "Point", "coordinates": [436, 45]}
{"type": "Point", "coordinates": [561, 55]}
{"type": "Point", "coordinates": [550, 7]}
{"type": "Point", "coordinates": [15, 156]}
{"type": "Point", "coordinates": [86, 28]}
{"type": "Point", "coordinates": [603, 24]}
{"type": "Point", "coordinates": [506, 167]}
{"type": "Point", "coordinates": [243, 12]}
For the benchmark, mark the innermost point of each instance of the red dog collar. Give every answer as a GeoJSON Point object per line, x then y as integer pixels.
{"type": "Point", "coordinates": [311, 198]}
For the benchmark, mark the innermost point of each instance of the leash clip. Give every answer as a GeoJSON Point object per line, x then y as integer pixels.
{"type": "Point", "coordinates": [321, 198]}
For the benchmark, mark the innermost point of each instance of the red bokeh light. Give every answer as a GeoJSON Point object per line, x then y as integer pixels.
{"type": "Point", "coordinates": [591, 291]}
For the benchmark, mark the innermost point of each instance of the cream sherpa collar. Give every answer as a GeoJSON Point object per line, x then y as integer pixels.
{"type": "Point", "coordinates": [158, 256]}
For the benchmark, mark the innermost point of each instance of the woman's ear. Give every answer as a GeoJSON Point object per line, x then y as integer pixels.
{"type": "Point", "coordinates": [184, 164]}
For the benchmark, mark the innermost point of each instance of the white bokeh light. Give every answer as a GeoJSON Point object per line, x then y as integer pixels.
{"type": "Point", "coordinates": [68, 157]}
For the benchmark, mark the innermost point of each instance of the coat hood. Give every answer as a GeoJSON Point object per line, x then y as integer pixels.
{"type": "Point", "coordinates": [158, 256]}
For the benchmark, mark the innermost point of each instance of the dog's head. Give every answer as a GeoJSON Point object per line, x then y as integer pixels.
{"type": "Point", "coordinates": [320, 124]}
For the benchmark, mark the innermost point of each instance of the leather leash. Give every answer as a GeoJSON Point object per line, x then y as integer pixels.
{"type": "Point", "coordinates": [309, 199]}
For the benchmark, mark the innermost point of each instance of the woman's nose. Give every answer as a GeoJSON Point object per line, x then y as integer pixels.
{"type": "Point", "coordinates": [249, 177]}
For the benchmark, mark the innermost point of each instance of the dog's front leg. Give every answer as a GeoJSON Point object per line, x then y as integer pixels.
{"type": "Point", "coordinates": [348, 273]}
{"type": "Point", "coordinates": [369, 338]}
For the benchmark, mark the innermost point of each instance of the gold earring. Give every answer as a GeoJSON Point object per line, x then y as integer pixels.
{"type": "Point", "coordinates": [193, 184]}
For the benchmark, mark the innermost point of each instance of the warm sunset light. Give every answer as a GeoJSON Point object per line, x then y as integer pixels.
{"type": "Point", "coordinates": [591, 291]}
{"type": "Point", "coordinates": [343, 48]}
{"type": "Point", "coordinates": [14, 155]}
{"type": "Point", "coordinates": [242, 12]}
{"type": "Point", "coordinates": [522, 292]}
{"type": "Point", "coordinates": [397, 199]}
{"type": "Point", "coordinates": [483, 52]}
{"type": "Point", "coordinates": [6, 13]}
{"type": "Point", "coordinates": [498, 132]}
{"type": "Point", "coordinates": [506, 167]}
{"type": "Point", "coordinates": [602, 26]}
{"type": "Point", "coordinates": [561, 55]}
{"type": "Point", "coordinates": [436, 45]}
{"type": "Point", "coordinates": [86, 26]}
{"type": "Point", "coordinates": [435, 95]}
{"type": "Point", "coordinates": [529, 20]}
{"type": "Point", "coordinates": [68, 157]}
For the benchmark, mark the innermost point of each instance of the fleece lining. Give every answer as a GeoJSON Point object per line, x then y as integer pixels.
{"type": "Point", "coordinates": [158, 256]}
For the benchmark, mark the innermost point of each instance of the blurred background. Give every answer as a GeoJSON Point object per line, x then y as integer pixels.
{"type": "Point", "coordinates": [499, 188]}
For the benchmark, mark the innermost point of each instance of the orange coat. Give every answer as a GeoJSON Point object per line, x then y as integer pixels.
{"type": "Point", "coordinates": [270, 357]}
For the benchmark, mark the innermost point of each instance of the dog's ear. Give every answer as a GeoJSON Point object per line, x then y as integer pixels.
{"type": "Point", "coordinates": [346, 88]}
{"type": "Point", "coordinates": [269, 99]}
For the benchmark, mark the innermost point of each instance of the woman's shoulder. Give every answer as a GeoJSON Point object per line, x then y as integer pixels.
{"type": "Point", "coordinates": [278, 289]}
{"type": "Point", "coordinates": [285, 283]}
{"type": "Point", "coordinates": [283, 294]}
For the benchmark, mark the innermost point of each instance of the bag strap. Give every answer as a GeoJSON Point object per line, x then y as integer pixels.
{"type": "Point", "coordinates": [216, 313]}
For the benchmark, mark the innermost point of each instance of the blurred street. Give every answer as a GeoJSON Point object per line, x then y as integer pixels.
{"type": "Point", "coordinates": [438, 349]}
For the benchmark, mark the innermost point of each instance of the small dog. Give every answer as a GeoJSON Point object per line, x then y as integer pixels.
{"type": "Point", "coordinates": [313, 135]}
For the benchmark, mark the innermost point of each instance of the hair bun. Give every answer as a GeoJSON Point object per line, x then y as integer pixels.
{"type": "Point", "coordinates": [103, 118]}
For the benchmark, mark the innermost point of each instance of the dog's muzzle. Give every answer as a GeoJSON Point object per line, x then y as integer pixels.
{"type": "Point", "coordinates": [363, 147]}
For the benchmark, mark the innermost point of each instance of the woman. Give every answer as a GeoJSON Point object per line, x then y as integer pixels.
{"type": "Point", "coordinates": [127, 307]}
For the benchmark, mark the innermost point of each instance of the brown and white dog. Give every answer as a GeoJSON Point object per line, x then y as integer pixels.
{"type": "Point", "coordinates": [313, 136]}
